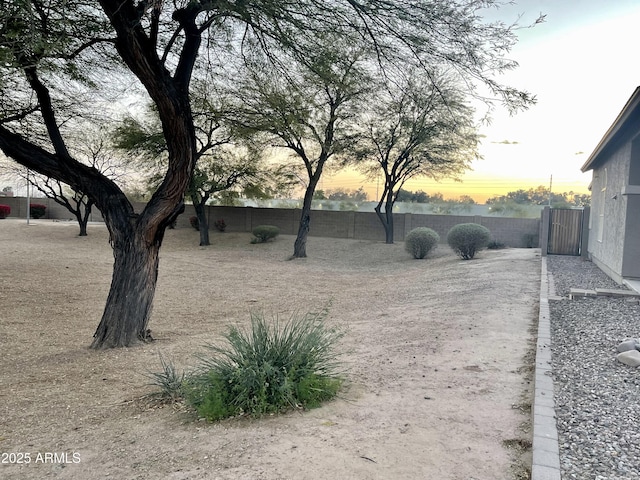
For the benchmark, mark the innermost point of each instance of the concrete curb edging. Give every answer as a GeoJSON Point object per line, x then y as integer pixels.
{"type": "Point", "coordinates": [546, 452]}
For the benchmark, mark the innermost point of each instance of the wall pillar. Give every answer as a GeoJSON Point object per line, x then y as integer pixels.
{"type": "Point", "coordinates": [544, 230]}
{"type": "Point", "coordinates": [351, 225]}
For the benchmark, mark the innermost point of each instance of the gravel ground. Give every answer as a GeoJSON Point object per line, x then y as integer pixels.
{"type": "Point", "coordinates": [597, 408]}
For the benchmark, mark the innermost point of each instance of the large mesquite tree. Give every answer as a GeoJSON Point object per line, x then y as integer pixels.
{"type": "Point", "coordinates": [58, 56]}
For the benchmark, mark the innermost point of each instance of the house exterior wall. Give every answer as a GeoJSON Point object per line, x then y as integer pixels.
{"type": "Point", "coordinates": [631, 194]}
{"type": "Point", "coordinates": [631, 258]}
{"type": "Point", "coordinates": [609, 212]}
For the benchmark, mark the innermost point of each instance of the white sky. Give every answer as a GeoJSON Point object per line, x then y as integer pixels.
{"type": "Point", "coordinates": [582, 66]}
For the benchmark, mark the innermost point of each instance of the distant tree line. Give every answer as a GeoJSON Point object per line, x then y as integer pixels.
{"type": "Point", "coordinates": [543, 196]}
{"type": "Point", "coordinates": [532, 196]}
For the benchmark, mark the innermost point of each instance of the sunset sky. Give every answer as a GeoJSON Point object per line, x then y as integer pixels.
{"type": "Point", "coordinates": [582, 66]}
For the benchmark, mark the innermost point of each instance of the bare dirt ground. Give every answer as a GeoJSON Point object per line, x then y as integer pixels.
{"type": "Point", "coordinates": [436, 351]}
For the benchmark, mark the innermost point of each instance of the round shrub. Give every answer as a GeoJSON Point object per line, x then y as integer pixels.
{"type": "Point", "coordinates": [468, 238]}
{"type": "Point", "coordinates": [37, 210]}
{"type": "Point", "coordinates": [495, 245]}
{"type": "Point", "coordinates": [264, 233]}
{"type": "Point", "coordinates": [220, 225]}
{"type": "Point", "coordinates": [420, 241]}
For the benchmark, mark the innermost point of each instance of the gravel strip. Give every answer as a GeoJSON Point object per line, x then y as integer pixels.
{"type": "Point", "coordinates": [597, 397]}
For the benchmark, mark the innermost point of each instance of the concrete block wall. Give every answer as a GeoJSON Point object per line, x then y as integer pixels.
{"type": "Point", "coordinates": [510, 231]}
{"type": "Point", "coordinates": [54, 210]}
{"type": "Point", "coordinates": [337, 224]}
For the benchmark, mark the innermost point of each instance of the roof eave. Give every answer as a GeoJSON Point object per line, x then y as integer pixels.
{"type": "Point", "coordinates": [632, 104]}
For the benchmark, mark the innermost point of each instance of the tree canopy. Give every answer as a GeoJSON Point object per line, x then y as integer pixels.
{"type": "Point", "coordinates": [67, 63]}
{"type": "Point", "coordinates": [417, 128]}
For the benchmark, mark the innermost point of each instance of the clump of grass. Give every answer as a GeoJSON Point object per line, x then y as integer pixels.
{"type": "Point", "coordinates": [269, 368]}
{"type": "Point", "coordinates": [169, 381]}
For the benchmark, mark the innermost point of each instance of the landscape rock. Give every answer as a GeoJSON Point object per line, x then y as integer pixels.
{"type": "Point", "coordinates": [631, 358]}
{"type": "Point", "coordinates": [628, 344]}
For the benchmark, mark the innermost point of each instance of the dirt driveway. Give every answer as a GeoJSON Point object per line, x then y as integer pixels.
{"type": "Point", "coordinates": [435, 348]}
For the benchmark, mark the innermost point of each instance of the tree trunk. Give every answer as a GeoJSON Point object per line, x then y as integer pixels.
{"type": "Point", "coordinates": [83, 227]}
{"type": "Point", "coordinates": [386, 219]}
{"type": "Point", "coordinates": [203, 224]}
{"type": "Point", "coordinates": [83, 217]}
{"type": "Point", "coordinates": [300, 245]}
{"type": "Point", "coordinates": [126, 314]}
{"type": "Point", "coordinates": [388, 211]}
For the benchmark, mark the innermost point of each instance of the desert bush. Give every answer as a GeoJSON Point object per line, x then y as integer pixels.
{"type": "Point", "coordinates": [264, 233]}
{"type": "Point", "coordinates": [468, 238]}
{"type": "Point", "coordinates": [5, 210]}
{"type": "Point", "coordinates": [169, 382]}
{"type": "Point", "coordinates": [495, 245]}
{"type": "Point", "coordinates": [193, 221]}
{"type": "Point", "coordinates": [268, 369]}
{"type": "Point", "coordinates": [420, 241]}
{"type": "Point", "coordinates": [37, 210]}
{"type": "Point", "coordinates": [220, 225]}
{"type": "Point", "coordinates": [530, 240]}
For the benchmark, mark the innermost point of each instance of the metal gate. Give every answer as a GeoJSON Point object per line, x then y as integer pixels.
{"type": "Point", "coordinates": [565, 231]}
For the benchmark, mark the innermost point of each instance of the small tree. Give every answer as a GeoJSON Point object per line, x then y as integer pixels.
{"type": "Point", "coordinates": [93, 151]}
{"type": "Point", "coordinates": [417, 129]}
{"type": "Point", "coordinates": [306, 111]}
{"type": "Point", "coordinates": [221, 164]}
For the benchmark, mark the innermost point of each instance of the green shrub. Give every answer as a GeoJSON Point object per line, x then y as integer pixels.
{"type": "Point", "coordinates": [468, 238]}
{"type": "Point", "coordinates": [169, 382]}
{"type": "Point", "coordinates": [264, 233]}
{"type": "Point", "coordinates": [530, 240]}
{"type": "Point", "coordinates": [495, 245]}
{"type": "Point", "coordinates": [220, 225]}
{"type": "Point", "coordinates": [420, 241]}
{"type": "Point", "coordinates": [269, 369]}
{"type": "Point", "coordinates": [37, 210]}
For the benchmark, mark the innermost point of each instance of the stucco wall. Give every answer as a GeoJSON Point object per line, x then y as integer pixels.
{"type": "Point", "coordinates": [631, 257]}
{"type": "Point", "coordinates": [608, 252]}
